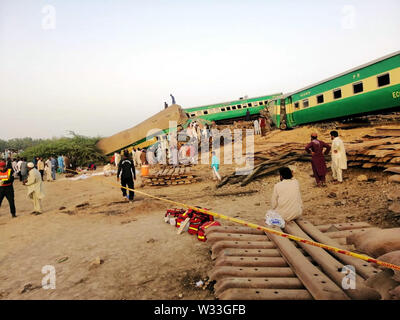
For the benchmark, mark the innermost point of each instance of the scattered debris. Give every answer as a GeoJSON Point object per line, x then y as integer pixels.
{"type": "Point", "coordinates": [362, 177]}
{"type": "Point", "coordinates": [96, 262]}
{"type": "Point", "coordinates": [62, 259]}
{"type": "Point", "coordinates": [85, 204]}
{"type": "Point", "coordinates": [29, 287]}
{"type": "Point", "coordinates": [199, 283]}
{"type": "Point", "coordinates": [395, 178]}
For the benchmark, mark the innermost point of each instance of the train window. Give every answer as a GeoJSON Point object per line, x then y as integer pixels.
{"type": "Point", "coordinates": [188, 115]}
{"type": "Point", "coordinates": [383, 80]}
{"type": "Point", "coordinates": [337, 94]}
{"type": "Point", "coordinates": [205, 112]}
{"type": "Point", "coordinates": [222, 109]}
{"type": "Point", "coordinates": [233, 108]}
{"type": "Point", "coordinates": [320, 98]}
{"type": "Point", "coordinates": [260, 103]}
{"type": "Point", "coordinates": [249, 104]}
{"type": "Point", "coordinates": [296, 105]}
{"type": "Point", "coordinates": [193, 115]}
{"type": "Point", "coordinates": [244, 106]}
{"type": "Point", "coordinates": [239, 106]}
{"type": "Point", "coordinates": [305, 103]}
{"type": "Point", "coordinates": [228, 108]}
{"type": "Point", "coordinates": [358, 87]}
{"type": "Point", "coordinates": [266, 102]}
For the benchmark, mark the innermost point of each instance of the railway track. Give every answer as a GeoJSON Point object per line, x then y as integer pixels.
{"type": "Point", "coordinates": [252, 265]}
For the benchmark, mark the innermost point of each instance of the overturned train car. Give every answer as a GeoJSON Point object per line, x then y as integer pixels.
{"type": "Point", "coordinates": [145, 132]}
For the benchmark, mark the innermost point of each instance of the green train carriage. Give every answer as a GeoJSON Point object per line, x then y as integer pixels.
{"type": "Point", "coordinates": [371, 87]}
{"type": "Point", "coordinates": [231, 109]}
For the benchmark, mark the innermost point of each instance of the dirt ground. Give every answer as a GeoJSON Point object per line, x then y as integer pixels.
{"type": "Point", "coordinates": [142, 256]}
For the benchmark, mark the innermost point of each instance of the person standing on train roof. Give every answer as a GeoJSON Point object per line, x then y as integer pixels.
{"type": "Point", "coordinates": [315, 147]}
{"type": "Point", "coordinates": [173, 99]}
{"type": "Point", "coordinates": [165, 105]}
{"type": "Point", "coordinates": [339, 158]}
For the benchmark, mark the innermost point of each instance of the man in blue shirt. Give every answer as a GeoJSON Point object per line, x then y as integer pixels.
{"type": "Point", "coordinates": [60, 160]}
{"type": "Point", "coordinates": [54, 166]}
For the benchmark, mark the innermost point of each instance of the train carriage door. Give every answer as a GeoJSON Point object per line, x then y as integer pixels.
{"type": "Point", "coordinates": [283, 119]}
{"type": "Point", "coordinates": [289, 112]}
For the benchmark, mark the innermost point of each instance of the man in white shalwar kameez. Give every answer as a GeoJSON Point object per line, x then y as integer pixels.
{"type": "Point", "coordinates": [35, 188]}
{"type": "Point", "coordinates": [257, 128]}
{"type": "Point", "coordinates": [339, 158]}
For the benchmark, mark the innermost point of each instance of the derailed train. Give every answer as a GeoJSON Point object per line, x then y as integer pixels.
{"type": "Point", "coordinates": [372, 87]}
{"type": "Point", "coordinates": [368, 88]}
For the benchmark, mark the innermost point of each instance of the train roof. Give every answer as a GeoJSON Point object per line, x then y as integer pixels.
{"type": "Point", "coordinates": [232, 101]}
{"type": "Point", "coordinates": [345, 72]}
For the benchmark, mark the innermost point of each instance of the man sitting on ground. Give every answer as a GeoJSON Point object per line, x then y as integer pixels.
{"type": "Point", "coordinates": [286, 197]}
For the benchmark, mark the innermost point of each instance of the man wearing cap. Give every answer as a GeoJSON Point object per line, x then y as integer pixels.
{"type": "Point", "coordinates": [35, 188]}
{"type": "Point", "coordinates": [339, 158]}
{"type": "Point", "coordinates": [316, 147]}
{"type": "Point", "coordinates": [6, 186]}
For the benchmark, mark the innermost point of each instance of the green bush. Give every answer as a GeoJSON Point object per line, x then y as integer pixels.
{"type": "Point", "coordinates": [79, 148]}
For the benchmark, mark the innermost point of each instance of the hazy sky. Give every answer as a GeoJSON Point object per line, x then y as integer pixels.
{"type": "Point", "coordinates": [100, 66]}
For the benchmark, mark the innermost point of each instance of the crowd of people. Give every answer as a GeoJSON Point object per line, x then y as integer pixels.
{"type": "Point", "coordinates": [286, 198]}
{"type": "Point", "coordinates": [31, 174]}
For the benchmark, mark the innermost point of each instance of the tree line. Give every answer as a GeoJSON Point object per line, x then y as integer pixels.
{"type": "Point", "coordinates": [79, 149]}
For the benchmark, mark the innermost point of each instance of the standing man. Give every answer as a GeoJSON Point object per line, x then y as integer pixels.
{"type": "Point", "coordinates": [47, 168]}
{"type": "Point", "coordinates": [117, 158]}
{"type": "Point", "coordinates": [173, 99]}
{"type": "Point", "coordinates": [126, 172]}
{"type": "Point", "coordinates": [263, 126]}
{"type": "Point", "coordinates": [24, 169]}
{"type": "Point", "coordinates": [339, 158]}
{"type": "Point", "coordinates": [54, 166]}
{"type": "Point", "coordinates": [286, 196]}
{"type": "Point", "coordinates": [247, 118]}
{"type": "Point", "coordinates": [19, 168]}
{"type": "Point", "coordinates": [40, 166]}
{"type": "Point", "coordinates": [60, 161]}
{"type": "Point", "coordinates": [315, 147]}
{"type": "Point", "coordinates": [35, 188]}
{"type": "Point", "coordinates": [256, 127]}
{"type": "Point", "coordinates": [165, 105]}
{"type": "Point", "coordinates": [6, 186]}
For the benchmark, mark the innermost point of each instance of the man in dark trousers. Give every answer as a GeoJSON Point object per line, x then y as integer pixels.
{"type": "Point", "coordinates": [126, 172]}
{"type": "Point", "coordinates": [315, 147]}
{"type": "Point", "coordinates": [247, 118]}
{"type": "Point", "coordinates": [173, 99]}
{"type": "Point", "coordinates": [6, 186]}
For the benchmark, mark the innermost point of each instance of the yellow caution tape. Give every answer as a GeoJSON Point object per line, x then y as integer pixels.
{"type": "Point", "coordinates": [269, 230]}
{"type": "Point", "coordinates": [279, 233]}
